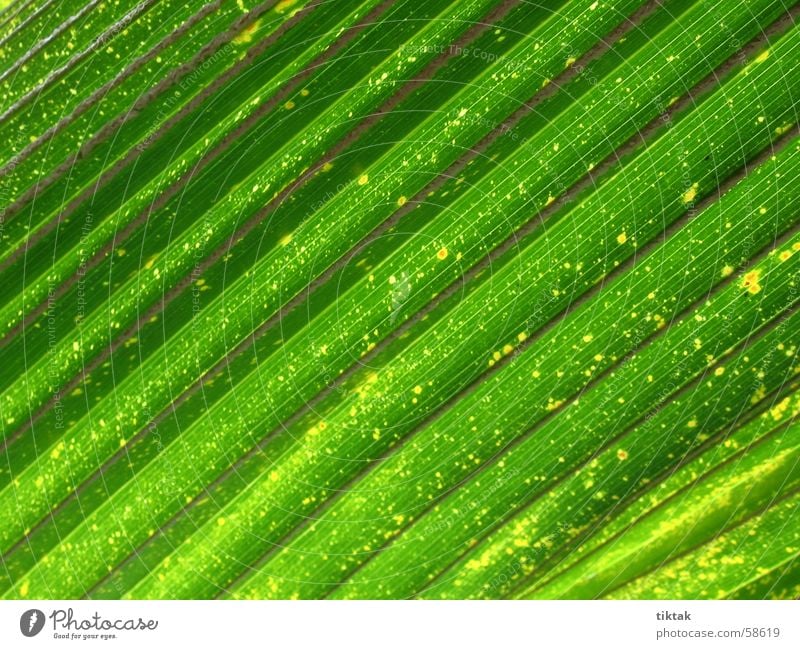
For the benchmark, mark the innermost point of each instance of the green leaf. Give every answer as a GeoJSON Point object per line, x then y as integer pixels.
{"type": "Point", "coordinates": [460, 299]}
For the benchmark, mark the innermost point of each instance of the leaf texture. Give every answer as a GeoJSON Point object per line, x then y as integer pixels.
{"type": "Point", "coordinates": [388, 299]}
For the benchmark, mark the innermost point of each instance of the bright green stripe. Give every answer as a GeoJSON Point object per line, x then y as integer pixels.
{"type": "Point", "coordinates": [599, 416]}
{"type": "Point", "coordinates": [381, 505]}
{"type": "Point", "coordinates": [437, 363]}
{"type": "Point", "coordinates": [175, 369]}
{"type": "Point", "coordinates": [120, 48]}
{"type": "Point", "coordinates": [138, 129]}
{"type": "Point", "coordinates": [111, 33]}
{"type": "Point", "coordinates": [91, 228]}
{"type": "Point", "coordinates": [138, 401]}
{"type": "Point", "coordinates": [44, 25]}
{"type": "Point", "coordinates": [713, 570]}
{"type": "Point", "coordinates": [701, 510]}
{"type": "Point", "coordinates": [210, 464]}
{"type": "Point", "coordinates": [388, 131]}
{"type": "Point", "coordinates": [774, 418]}
{"type": "Point", "coordinates": [781, 580]}
{"type": "Point", "coordinates": [215, 225]}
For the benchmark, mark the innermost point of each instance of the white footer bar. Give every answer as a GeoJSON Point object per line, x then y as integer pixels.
{"type": "Point", "coordinates": [400, 625]}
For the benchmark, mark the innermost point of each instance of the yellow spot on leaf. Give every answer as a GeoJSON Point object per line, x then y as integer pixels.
{"type": "Point", "coordinates": [283, 5]}
{"type": "Point", "coordinates": [689, 194]}
{"type": "Point", "coordinates": [246, 35]}
{"type": "Point", "coordinates": [750, 281]}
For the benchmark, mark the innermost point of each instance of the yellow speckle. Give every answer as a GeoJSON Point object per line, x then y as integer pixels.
{"type": "Point", "coordinates": [622, 454]}
{"type": "Point", "coordinates": [283, 5]}
{"type": "Point", "coordinates": [442, 254]}
{"type": "Point", "coordinates": [726, 270]}
{"type": "Point", "coordinates": [23, 590]}
{"type": "Point", "coordinates": [56, 452]}
{"type": "Point", "coordinates": [327, 166]}
{"type": "Point", "coordinates": [273, 476]}
{"type": "Point", "coordinates": [401, 201]}
{"type": "Point", "coordinates": [417, 389]}
{"type": "Point", "coordinates": [762, 57]}
{"type": "Point", "coordinates": [363, 179]}
{"type": "Point", "coordinates": [246, 35]}
{"type": "Point", "coordinates": [220, 521]}
{"type": "Point", "coordinates": [785, 255]}
{"type": "Point", "coordinates": [522, 336]}
{"type": "Point", "coordinates": [588, 338]}
{"type": "Point", "coordinates": [376, 434]}
{"type": "Point", "coordinates": [507, 349]}
{"type": "Point", "coordinates": [689, 194]}
{"type": "Point", "coordinates": [76, 346]}
{"type": "Point", "coordinates": [554, 404]}
{"type": "Point", "coordinates": [289, 105]}
{"type": "Point", "coordinates": [536, 374]}
{"type": "Point", "coordinates": [622, 238]}
{"type": "Point", "coordinates": [692, 423]}
{"type": "Point", "coordinates": [719, 371]}
{"type": "Point", "coordinates": [284, 241]}
{"type": "Point", "coordinates": [750, 281]}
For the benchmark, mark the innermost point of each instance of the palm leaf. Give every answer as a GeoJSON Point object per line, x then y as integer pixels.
{"type": "Point", "coordinates": [381, 299]}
